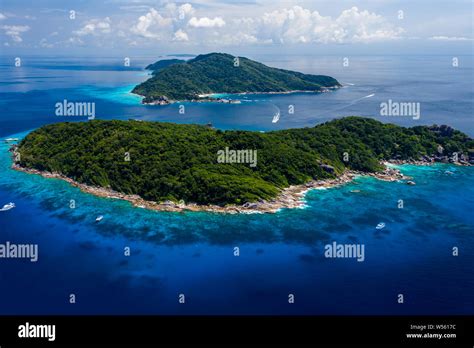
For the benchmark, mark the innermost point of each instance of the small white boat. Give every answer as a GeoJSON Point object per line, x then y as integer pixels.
{"type": "Point", "coordinates": [276, 117]}
{"type": "Point", "coordinates": [99, 218]}
{"type": "Point", "coordinates": [380, 225]}
{"type": "Point", "coordinates": [8, 206]}
{"type": "Point", "coordinates": [449, 172]}
{"type": "Point", "coordinates": [11, 139]}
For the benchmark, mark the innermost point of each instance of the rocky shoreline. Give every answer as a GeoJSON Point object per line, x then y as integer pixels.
{"type": "Point", "coordinates": [290, 197]}
{"type": "Point", "coordinates": [206, 98]}
{"type": "Point", "coordinates": [427, 161]}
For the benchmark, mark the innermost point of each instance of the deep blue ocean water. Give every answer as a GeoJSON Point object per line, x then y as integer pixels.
{"type": "Point", "coordinates": [283, 253]}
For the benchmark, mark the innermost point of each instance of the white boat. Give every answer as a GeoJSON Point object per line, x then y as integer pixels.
{"type": "Point", "coordinates": [11, 139]}
{"type": "Point", "coordinates": [99, 218]}
{"type": "Point", "coordinates": [380, 225]}
{"type": "Point", "coordinates": [276, 117]}
{"type": "Point", "coordinates": [8, 206]}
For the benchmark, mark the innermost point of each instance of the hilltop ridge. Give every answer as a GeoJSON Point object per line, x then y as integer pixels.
{"type": "Point", "coordinates": [223, 73]}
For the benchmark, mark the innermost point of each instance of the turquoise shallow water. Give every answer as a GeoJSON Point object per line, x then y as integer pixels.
{"type": "Point", "coordinates": [193, 253]}
{"type": "Point", "coordinates": [120, 95]}
{"type": "Point", "coordinates": [28, 95]}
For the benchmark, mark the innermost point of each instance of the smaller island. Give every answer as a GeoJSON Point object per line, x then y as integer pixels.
{"type": "Point", "coordinates": [197, 79]}
{"type": "Point", "coordinates": [163, 63]}
{"type": "Point", "coordinates": [172, 167]}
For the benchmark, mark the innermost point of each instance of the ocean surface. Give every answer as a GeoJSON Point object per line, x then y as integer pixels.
{"type": "Point", "coordinates": [280, 254]}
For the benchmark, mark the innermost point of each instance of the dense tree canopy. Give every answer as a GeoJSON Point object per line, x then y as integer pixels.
{"type": "Point", "coordinates": [163, 63]}
{"type": "Point", "coordinates": [217, 73]}
{"type": "Point", "coordinates": [172, 161]}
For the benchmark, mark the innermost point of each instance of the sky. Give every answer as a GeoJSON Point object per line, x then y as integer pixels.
{"type": "Point", "coordinates": [143, 27]}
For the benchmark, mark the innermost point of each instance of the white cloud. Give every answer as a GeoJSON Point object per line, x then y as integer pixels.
{"type": "Point", "coordinates": [153, 25]}
{"type": "Point", "coordinates": [205, 22]}
{"type": "Point", "coordinates": [45, 44]}
{"type": "Point", "coordinates": [180, 35]}
{"type": "Point", "coordinates": [185, 10]}
{"type": "Point", "coordinates": [95, 27]}
{"type": "Point", "coordinates": [450, 38]}
{"type": "Point", "coordinates": [240, 38]}
{"type": "Point", "coordinates": [15, 31]}
{"type": "Point", "coordinates": [300, 25]}
{"type": "Point", "coordinates": [2, 16]}
{"type": "Point", "coordinates": [295, 24]}
{"type": "Point", "coordinates": [76, 41]}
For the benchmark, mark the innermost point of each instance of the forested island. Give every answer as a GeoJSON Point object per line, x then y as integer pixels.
{"type": "Point", "coordinates": [161, 64]}
{"type": "Point", "coordinates": [166, 162]}
{"type": "Point", "coordinates": [195, 79]}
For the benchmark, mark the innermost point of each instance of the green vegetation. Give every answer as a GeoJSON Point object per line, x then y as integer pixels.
{"type": "Point", "coordinates": [171, 161]}
{"type": "Point", "coordinates": [161, 64]}
{"type": "Point", "coordinates": [216, 73]}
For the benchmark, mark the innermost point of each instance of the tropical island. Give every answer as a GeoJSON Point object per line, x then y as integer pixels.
{"type": "Point", "coordinates": [166, 166]}
{"type": "Point", "coordinates": [163, 63]}
{"type": "Point", "coordinates": [176, 80]}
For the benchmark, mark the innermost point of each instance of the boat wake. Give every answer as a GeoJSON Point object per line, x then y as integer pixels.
{"type": "Point", "coordinates": [276, 115]}
{"type": "Point", "coordinates": [357, 100]}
